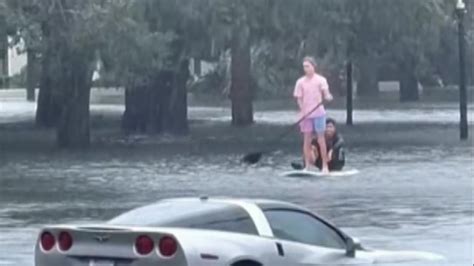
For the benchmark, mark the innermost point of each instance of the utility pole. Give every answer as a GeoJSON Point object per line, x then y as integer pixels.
{"type": "Point", "coordinates": [463, 124]}
{"type": "Point", "coordinates": [349, 94]}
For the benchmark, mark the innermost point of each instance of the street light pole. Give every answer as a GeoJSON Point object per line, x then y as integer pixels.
{"type": "Point", "coordinates": [349, 84]}
{"type": "Point", "coordinates": [463, 125]}
{"type": "Point", "coordinates": [349, 93]}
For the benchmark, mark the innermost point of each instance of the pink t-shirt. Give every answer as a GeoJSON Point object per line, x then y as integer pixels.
{"type": "Point", "coordinates": [310, 92]}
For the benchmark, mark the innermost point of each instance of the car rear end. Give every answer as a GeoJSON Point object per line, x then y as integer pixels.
{"type": "Point", "coordinates": [107, 246]}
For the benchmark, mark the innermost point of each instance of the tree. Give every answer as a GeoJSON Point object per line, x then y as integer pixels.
{"type": "Point", "coordinates": [182, 19]}
{"type": "Point", "coordinates": [4, 32]}
{"type": "Point", "coordinates": [349, 30]}
{"type": "Point", "coordinates": [254, 33]}
{"type": "Point", "coordinates": [67, 34]}
{"type": "Point", "coordinates": [165, 35]}
{"type": "Point", "coordinates": [240, 91]}
{"type": "Point", "coordinates": [76, 29]}
{"type": "Point", "coordinates": [31, 74]}
{"type": "Point", "coordinates": [22, 17]}
{"type": "Point", "coordinates": [28, 20]}
{"type": "Point", "coordinates": [136, 55]}
{"type": "Point", "coordinates": [410, 39]}
{"type": "Point", "coordinates": [48, 107]}
{"type": "Point", "coordinates": [375, 33]}
{"type": "Point", "coordinates": [444, 61]}
{"type": "Point", "coordinates": [3, 58]}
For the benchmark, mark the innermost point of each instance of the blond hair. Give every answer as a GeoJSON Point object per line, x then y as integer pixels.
{"type": "Point", "coordinates": [310, 60]}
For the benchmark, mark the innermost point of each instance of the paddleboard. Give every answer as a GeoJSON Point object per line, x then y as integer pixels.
{"type": "Point", "coordinates": [303, 173]}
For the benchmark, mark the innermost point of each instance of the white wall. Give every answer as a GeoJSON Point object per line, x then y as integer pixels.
{"type": "Point", "coordinates": [16, 60]}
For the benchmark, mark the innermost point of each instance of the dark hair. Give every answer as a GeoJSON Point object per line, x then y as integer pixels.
{"type": "Point", "coordinates": [331, 121]}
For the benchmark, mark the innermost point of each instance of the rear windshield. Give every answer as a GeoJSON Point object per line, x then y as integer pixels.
{"type": "Point", "coordinates": [197, 215]}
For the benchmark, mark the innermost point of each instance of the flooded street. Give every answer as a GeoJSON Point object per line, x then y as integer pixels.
{"type": "Point", "coordinates": [23, 111]}
{"type": "Point", "coordinates": [155, 99]}
{"type": "Point", "coordinates": [408, 198]}
{"type": "Point", "coordinates": [405, 197]}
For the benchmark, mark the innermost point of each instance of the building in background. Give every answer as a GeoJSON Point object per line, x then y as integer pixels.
{"type": "Point", "coordinates": [17, 59]}
{"type": "Point", "coordinates": [12, 61]}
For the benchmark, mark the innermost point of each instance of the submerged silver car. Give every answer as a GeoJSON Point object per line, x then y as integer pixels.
{"type": "Point", "coordinates": [210, 231]}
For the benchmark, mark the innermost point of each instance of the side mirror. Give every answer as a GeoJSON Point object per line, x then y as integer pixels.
{"type": "Point", "coordinates": [352, 245]}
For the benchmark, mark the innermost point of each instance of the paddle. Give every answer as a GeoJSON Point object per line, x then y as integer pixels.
{"type": "Point", "coordinates": [254, 157]}
{"type": "Point", "coordinates": [297, 166]}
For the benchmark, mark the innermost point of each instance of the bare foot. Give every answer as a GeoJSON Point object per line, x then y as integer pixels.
{"type": "Point", "coordinates": [325, 171]}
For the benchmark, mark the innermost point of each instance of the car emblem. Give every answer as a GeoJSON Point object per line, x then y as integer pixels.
{"type": "Point", "coordinates": [102, 238]}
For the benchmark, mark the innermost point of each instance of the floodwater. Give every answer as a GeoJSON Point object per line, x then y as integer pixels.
{"type": "Point", "coordinates": [23, 111]}
{"type": "Point", "coordinates": [405, 198]}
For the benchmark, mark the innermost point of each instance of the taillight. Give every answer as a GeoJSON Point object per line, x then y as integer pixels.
{"type": "Point", "coordinates": [65, 241]}
{"type": "Point", "coordinates": [168, 246]}
{"type": "Point", "coordinates": [144, 245]}
{"type": "Point", "coordinates": [47, 241]}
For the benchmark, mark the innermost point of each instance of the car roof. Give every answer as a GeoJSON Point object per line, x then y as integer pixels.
{"type": "Point", "coordinates": [172, 210]}
{"type": "Point", "coordinates": [263, 204]}
{"type": "Point", "coordinates": [166, 211]}
{"type": "Point", "coordinates": [175, 211]}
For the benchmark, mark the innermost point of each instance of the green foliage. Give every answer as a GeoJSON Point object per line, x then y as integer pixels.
{"type": "Point", "coordinates": [148, 36]}
{"type": "Point", "coordinates": [135, 39]}
{"type": "Point", "coordinates": [23, 17]}
{"type": "Point", "coordinates": [132, 53]}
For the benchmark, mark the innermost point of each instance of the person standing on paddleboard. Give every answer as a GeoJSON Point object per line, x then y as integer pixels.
{"type": "Point", "coordinates": [310, 91]}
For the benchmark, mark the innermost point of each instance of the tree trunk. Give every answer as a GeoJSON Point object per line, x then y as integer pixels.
{"type": "Point", "coordinates": [367, 83]}
{"type": "Point", "coordinates": [134, 119]}
{"type": "Point", "coordinates": [240, 92]}
{"type": "Point", "coordinates": [408, 83]}
{"type": "Point", "coordinates": [73, 130]}
{"type": "Point", "coordinates": [30, 75]}
{"type": "Point", "coordinates": [175, 105]}
{"type": "Point", "coordinates": [160, 106]}
{"type": "Point", "coordinates": [4, 75]}
{"type": "Point", "coordinates": [48, 108]}
{"type": "Point", "coordinates": [144, 107]}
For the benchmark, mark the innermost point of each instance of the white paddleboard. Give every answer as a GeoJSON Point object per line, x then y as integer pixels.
{"type": "Point", "coordinates": [303, 173]}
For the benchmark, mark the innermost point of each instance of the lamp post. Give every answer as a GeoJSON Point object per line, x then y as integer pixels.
{"type": "Point", "coordinates": [349, 84]}
{"type": "Point", "coordinates": [463, 125]}
{"type": "Point", "coordinates": [349, 93]}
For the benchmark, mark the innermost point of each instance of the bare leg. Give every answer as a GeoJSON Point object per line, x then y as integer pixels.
{"type": "Point", "coordinates": [315, 153]}
{"type": "Point", "coordinates": [323, 152]}
{"type": "Point", "coordinates": [307, 150]}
